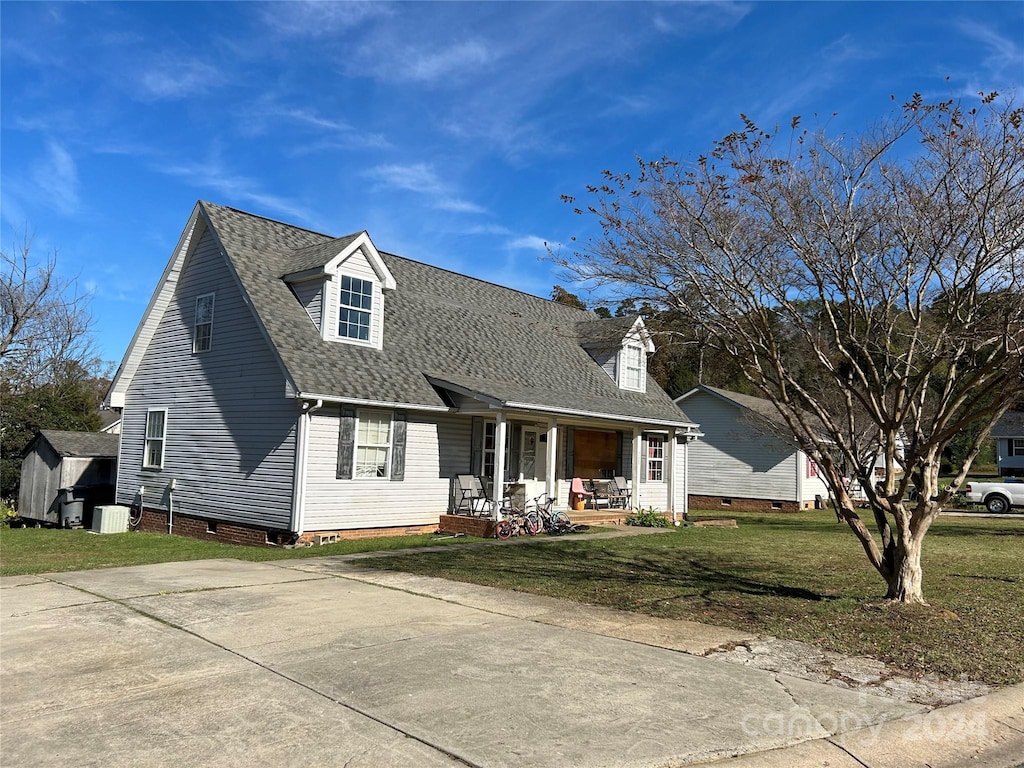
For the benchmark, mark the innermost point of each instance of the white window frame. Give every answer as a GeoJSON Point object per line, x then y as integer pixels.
{"type": "Point", "coordinates": [627, 370]}
{"type": "Point", "coordinates": [369, 311]}
{"type": "Point", "coordinates": [1016, 446]}
{"type": "Point", "coordinates": [147, 439]}
{"type": "Point", "coordinates": [655, 458]}
{"type": "Point", "coordinates": [363, 417]}
{"type": "Point", "coordinates": [196, 348]}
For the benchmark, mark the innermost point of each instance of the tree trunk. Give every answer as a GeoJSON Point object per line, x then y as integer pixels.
{"type": "Point", "coordinates": [905, 582]}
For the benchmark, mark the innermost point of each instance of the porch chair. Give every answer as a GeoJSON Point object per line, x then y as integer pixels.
{"type": "Point", "coordinates": [623, 492]}
{"type": "Point", "coordinates": [472, 497]}
{"type": "Point", "coordinates": [577, 491]}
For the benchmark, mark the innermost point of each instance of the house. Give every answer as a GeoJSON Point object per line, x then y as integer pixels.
{"type": "Point", "coordinates": [1008, 433]}
{"type": "Point", "coordinates": [74, 469]}
{"type": "Point", "coordinates": [110, 422]}
{"type": "Point", "coordinates": [284, 384]}
{"type": "Point", "coordinates": [744, 460]}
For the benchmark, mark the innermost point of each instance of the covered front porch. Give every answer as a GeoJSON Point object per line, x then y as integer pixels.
{"type": "Point", "coordinates": [596, 469]}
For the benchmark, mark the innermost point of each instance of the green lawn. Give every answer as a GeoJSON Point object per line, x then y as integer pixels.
{"type": "Point", "coordinates": [798, 576]}
{"type": "Point", "coordinates": [44, 550]}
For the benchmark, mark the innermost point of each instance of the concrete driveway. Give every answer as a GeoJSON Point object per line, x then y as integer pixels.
{"type": "Point", "coordinates": [317, 662]}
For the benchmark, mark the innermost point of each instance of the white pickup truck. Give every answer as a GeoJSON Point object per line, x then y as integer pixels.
{"type": "Point", "coordinates": [997, 497]}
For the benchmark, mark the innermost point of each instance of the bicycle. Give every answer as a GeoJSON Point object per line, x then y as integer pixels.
{"type": "Point", "coordinates": [549, 520]}
{"type": "Point", "coordinates": [515, 521]}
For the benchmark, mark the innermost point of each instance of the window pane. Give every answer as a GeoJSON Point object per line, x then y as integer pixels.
{"type": "Point", "coordinates": [155, 424]}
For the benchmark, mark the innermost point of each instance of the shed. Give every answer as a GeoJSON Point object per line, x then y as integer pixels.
{"type": "Point", "coordinates": [55, 460]}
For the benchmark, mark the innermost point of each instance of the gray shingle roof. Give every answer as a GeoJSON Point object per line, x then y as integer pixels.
{"type": "Point", "coordinates": [510, 345]}
{"type": "Point", "coordinates": [604, 331]}
{"type": "Point", "coordinates": [85, 444]}
{"type": "Point", "coordinates": [1010, 425]}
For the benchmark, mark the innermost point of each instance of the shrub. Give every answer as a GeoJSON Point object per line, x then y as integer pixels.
{"type": "Point", "coordinates": [8, 513]}
{"type": "Point", "coordinates": [648, 518]}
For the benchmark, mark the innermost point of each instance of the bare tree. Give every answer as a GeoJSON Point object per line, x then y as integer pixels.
{"type": "Point", "coordinates": [870, 286]}
{"type": "Point", "coordinates": [45, 324]}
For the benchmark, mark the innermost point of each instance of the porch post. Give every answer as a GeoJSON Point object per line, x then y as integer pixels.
{"type": "Point", "coordinates": [687, 439]}
{"type": "Point", "coordinates": [552, 467]}
{"type": "Point", "coordinates": [498, 488]}
{"type": "Point", "coordinates": [670, 460]}
{"type": "Point", "coordinates": [639, 465]}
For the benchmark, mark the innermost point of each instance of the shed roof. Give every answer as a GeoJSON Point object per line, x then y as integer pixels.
{"type": "Point", "coordinates": [439, 327]}
{"type": "Point", "coordinates": [81, 444]}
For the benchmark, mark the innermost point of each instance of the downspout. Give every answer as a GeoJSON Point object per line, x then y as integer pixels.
{"type": "Point", "coordinates": [686, 476]}
{"type": "Point", "coordinates": [301, 461]}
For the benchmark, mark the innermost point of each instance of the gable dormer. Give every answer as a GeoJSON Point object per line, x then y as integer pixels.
{"type": "Point", "coordinates": [342, 285]}
{"type": "Point", "coordinates": [621, 346]}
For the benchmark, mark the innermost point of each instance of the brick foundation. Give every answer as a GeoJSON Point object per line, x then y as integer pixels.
{"type": "Point", "coordinates": [311, 537]}
{"type": "Point", "coordinates": [155, 521]}
{"type": "Point", "coordinates": [715, 503]}
{"type": "Point", "coordinates": [482, 527]}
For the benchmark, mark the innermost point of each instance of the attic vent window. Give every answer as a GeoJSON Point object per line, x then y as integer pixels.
{"type": "Point", "coordinates": [202, 338]}
{"type": "Point", "coordinates": [354, 308]}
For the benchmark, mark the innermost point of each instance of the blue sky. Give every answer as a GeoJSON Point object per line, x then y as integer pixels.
{"type": "Point", "coordinates": [448, 131]}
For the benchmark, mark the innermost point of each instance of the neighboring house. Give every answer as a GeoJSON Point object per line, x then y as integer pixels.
{"type": "Point", "coordinates": [55, 460]}
{"type": "Point", "coordinates": [283, 383]}
{"type": "Point", "coordinates": [743, 460]}
{"type": "Point", "coordinates": [1009, 436]}
{"type": "Point", "coordinates": [111, 422]}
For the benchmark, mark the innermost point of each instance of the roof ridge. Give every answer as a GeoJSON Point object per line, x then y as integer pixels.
{"type": "Point", "coordinates": [332, 238]}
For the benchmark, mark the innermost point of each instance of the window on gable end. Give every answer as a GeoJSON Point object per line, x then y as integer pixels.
{"type": "Point", "coordinates": [156, 430]}
{"type": "Point", "coordinates": [202, 329]}
{"type": "Point", "coordinates": [355, 307]}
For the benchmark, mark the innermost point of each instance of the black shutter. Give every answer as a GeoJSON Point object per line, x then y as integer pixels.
{"type": "Point", "coordinates": [398, 431]}
{"type": "Point", "coordinates": [643, 458]}
{"type": "Point", "coordinates": [570, 443]}
{"type": "Point", "coordinates": [476, 445]}
{"type": "Point", "coordinates": [346, 443]}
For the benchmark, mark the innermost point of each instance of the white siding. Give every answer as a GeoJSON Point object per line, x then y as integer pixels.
{"type": "Point", "coordinates": [655, 494]}
{"type": "Point", "coordinates": [311, 294]}
{"type": "Point", "coordinates": [230, 432]}
{"type": "Point", "coordinates": [437, 449]}
{"type": "Point", "coordinates": [607, 359]}
{"type": "Point", "coordinates": [735, 459]}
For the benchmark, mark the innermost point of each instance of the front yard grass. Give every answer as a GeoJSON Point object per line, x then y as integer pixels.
{"type": "Point", "coordinates": [798, 576]}
{"type": "Point", "coordinates": [46, 550]}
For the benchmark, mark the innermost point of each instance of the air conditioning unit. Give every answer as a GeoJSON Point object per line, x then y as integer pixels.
{"type": "Point", "coordinates": [110, 518]}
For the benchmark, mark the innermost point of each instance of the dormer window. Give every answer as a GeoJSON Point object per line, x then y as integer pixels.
{"type": "Point", "coordinates": [632, 369]}
{"type": "Point", "coordinates": [354, 308]}
{"type": "Point", "coordinates": [342, 285]}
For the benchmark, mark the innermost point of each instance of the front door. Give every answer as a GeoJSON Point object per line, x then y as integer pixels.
{"type": "Point", "coordinates": [534, 462]}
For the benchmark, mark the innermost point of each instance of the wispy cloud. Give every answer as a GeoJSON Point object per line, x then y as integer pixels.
{"type": "Point", "coordinates": [1005, 56]}
{"type": "Point", "coordinates": [312, 18]}
{"type": "Point", "coordinates": [337, 133]}
{"type": "Point", "coordinates": [529, 243]}
{"type": "Point", "coordinates": [212, 174]}
{"type": "Point", "coordinates": [175, 76]}
{"type": "Point", "coordinates": [421, 179]}
{"type": "Point", "coordinates": [440, 64]}
{"type": "Point", "coordinates": [55, 178]}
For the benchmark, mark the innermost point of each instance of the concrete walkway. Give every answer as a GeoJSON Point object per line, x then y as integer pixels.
{"type": "Point", "coordinates": [319, 662]}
